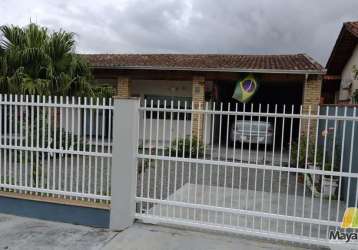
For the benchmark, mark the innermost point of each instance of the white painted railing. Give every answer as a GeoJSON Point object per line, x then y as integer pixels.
{"type": "Point", "coordinates": [55, 146]}
{"type": "Point", "coordinates": [273, 171]}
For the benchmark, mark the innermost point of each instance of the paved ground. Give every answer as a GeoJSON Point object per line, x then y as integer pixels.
{"type": "Point", "coordinates": [152, 237]}
{"type": "Point", "coordinates": [255, 155]}
{"type": "Point", "coordinates": [164, 178]}
{"type": "Point", "coordinates": [17, 233]}
{"type": "Point", "coordinates": [273, 192]}
{"type": "Point", "coordinates": [272, 203]}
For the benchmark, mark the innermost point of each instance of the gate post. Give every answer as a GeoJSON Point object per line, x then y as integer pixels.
{"type": "Point", "coordinates": [124, 162]}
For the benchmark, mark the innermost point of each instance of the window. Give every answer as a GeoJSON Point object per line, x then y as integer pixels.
{"type": "Point", "coordinates": [177, 100]}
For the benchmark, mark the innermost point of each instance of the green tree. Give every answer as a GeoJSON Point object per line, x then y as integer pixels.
{"type": "Point", "coordinates": [35, 61]}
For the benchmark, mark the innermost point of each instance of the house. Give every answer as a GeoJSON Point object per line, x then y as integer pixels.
{"type": "Point", "coordinates": [284, 79]}
{"type": "Point", "coordinates": [340, 83]}
{"type": "Point", "coordinates": [340, 87]}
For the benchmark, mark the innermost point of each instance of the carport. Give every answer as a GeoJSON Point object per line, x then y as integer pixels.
{"type": "Point", "coordinates": [284, 80]}
{"type": "Point", "coordinates": [281, 93]}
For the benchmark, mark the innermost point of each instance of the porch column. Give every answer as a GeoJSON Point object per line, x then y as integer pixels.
{"type": "Point", "coordinates": [198, 97]}
{"type": "Point", "coordinates": [123, 87]}
{"type": "Point", "coordinates": [311, 98]}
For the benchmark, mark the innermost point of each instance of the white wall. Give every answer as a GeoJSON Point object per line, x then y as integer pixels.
{"type": "Point", "coordinates": [141, 88]}
{"type": "Point", "coordinates": [161, 87]}
{"type": "Point", "coordinates": [75, 124]}
{"type": "Point", "coordinates": [148, 87]}
{"type": "Point", "coordinates": [348, 76]}
{"type": "Point", "coordinates": [172, 130]}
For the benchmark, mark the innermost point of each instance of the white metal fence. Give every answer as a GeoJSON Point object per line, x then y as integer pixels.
{"type": "Point", "coordinates": [55, 146]}
{"type": "Point", "coordinates": [271, 171]}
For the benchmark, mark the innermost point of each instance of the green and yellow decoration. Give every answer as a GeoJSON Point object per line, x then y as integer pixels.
{"type": "Point", "coordinates": [245, 89]}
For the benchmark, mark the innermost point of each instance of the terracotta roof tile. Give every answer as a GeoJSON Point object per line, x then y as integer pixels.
{"type": "Point", "coordinates": [345, 44]}
{"type": "Point", "coordinates": [352, 27]}
{"type": "Point", "coordinates": [228, 62]}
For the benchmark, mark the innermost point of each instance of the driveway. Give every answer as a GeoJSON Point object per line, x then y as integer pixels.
{"type": "Point", "coordinates": [261, 190]}
{"type": "Point", "coordinates": [164, 178]}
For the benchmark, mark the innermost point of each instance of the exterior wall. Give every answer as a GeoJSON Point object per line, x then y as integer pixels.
{"type": "Point", "coordinates": [160, 87]}
{"type": "Point", "coordinates": [141, 88]}
{"type": "Point", "coordinates": [349, 185]}
{"type": "Point", "coordinates": [164, 136]}
{"type": "Point", "coordinates": [106, 81]}
{"type": "Point", "coordinates": [345, 94]}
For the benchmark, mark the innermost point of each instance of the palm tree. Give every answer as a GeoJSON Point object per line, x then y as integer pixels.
{"type": "Point", "coordinates": [38, 62]}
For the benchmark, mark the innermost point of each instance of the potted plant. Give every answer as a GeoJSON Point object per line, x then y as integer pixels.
{"type": "Point", "coordinates": [326, 185]}
{"type": "Point", "coordinates": [329, 182]}
{"type": "Point", "coordinates": [298, 157]}
{"type": "Point", "coordinates": [330, 164]}
{"type": "Point", "coordinates": [299, 153]}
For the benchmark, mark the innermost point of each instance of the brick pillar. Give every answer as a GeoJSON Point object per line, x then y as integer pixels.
{"type": "Point", "coordinates": [198, 96]}
{"type": "Point", "coordinates": [311, 98]}
{"type": "Point", "coordinates": [123, 88]}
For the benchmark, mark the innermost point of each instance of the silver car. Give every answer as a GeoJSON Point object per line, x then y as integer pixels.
{"type": "Point", "coordinates": [259, 131]}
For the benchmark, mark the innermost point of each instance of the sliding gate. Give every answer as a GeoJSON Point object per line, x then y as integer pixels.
{"type": "Point", "coordinates": [271, 171]}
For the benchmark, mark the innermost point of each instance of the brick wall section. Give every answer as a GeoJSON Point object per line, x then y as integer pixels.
{"type": "Point", "coordinates": [311, 98]}
{"type": "Point", "coordinates": [198, 97]}
{"type": "Point", "coordinates": [123, 87]}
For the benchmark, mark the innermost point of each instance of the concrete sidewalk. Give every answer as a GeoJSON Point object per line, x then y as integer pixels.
{"type": "Point", "coordinates": [152, 237]}
{"type": "Point", "coordinates": [18, 233]}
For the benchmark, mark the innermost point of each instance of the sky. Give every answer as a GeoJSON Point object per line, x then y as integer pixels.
{"type": "Point", "coordinates": [191, 26]}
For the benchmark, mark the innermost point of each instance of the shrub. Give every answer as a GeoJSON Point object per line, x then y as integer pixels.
{"type": "Point", "coordinates": [181, 147]}
{"type": "Point", "coordinates": [355, 96]}
{"type": "Point", "coordinates": [298, 152]}
{"type": "Point", "coordinates": [315, 155]}
{"type": "Point", "coordinates": [61, 135]}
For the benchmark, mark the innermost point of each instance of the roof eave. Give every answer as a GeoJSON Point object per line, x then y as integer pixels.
{"type": "Point", "coordinates": [231, 70]}
{"type": "Point", "coordinates": [338, 40]}
{"type": "Point", "coordinates": [345, 28]}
